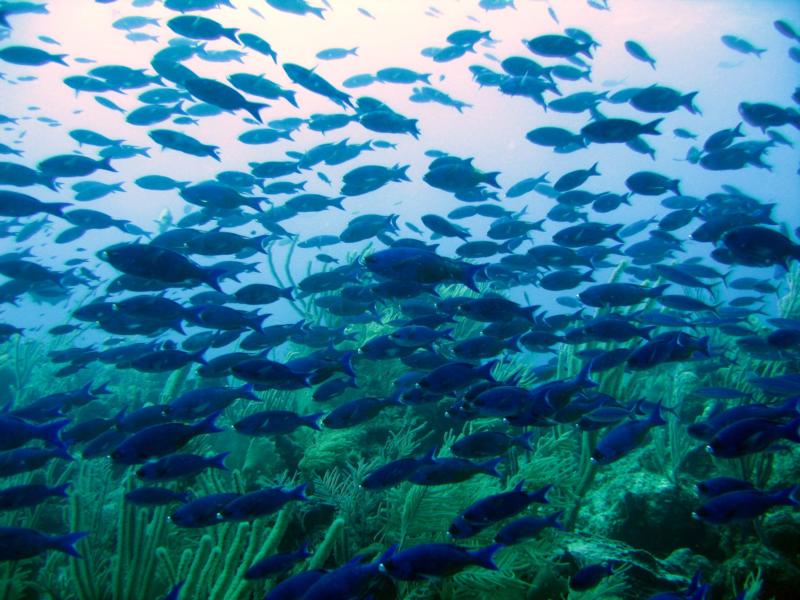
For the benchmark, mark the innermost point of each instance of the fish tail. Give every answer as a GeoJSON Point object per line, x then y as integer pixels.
{"type": "Point", "coordinates": [60, 490]}
{"type": "Point", "coordinates": [485, 370]}
{"type": "Point", "coordinates": [553, 520]}
{"type": "Point", "coordinates": [788, 496]}
{"type": "Point", "coordinates": [218, 461]}
{"type": "Point", "coordinates": [66, 543]}
{"type": "Point", "coordinates": [230, 33]}
{"type": "Point", "coordinates": [687, 101]}
{"type": "Point", "coordinates": [298, 492]}
{"type": "Point", "coordinates": [49, 432]}
{"type": "Point", "coordinates": [650, 128]}
{"type": "Point", "coordinates": [211, 277]}
{"type": "Point", "coordinates": [56, 208]}
{"type": "Point", "coordinates": [491, 178]}
{"type": "Point", "coordinates": [256, 321]}
{"type": "Point", "coordinates": [468, 276]}
{"type": "Point", "coordinates": [289, 95]}
{"type": "Point", "coordinates": [792, 430]}
{"type": "Point", "coordinates": [312, 420]}
{"type": "Point", "coordinates": [658, 290]}
{"type": "Point", "coordinates": [490, 466]}
{"type": "Point", "coordinates": [254, 107]}
{"type": "Point", "coordinates": [105, 165]}
{"type": "Point", "coordinates": [655, 417]}
{"type": "Point", "coordinates": [208, 425]}
{"type": "Point", "coordinates": [483, 557]}
{"type": "Point", "coordinates": [212, 152]}
{"type": "Point", "coordinates": [524, 440]}
{"type": "Point", "coordinates": [246, 391]}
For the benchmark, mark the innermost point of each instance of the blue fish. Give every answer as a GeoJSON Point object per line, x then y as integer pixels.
{"type": "Point", "coordinates": [743, 505]}
{"type": "Point", "coordinates": [436, 560]}
{"type": "Point", "coordinates": [17, 543]}
{"type": "Point", "coordinates": [625, 437]}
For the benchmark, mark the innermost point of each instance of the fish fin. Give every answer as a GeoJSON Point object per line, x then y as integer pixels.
{"type": "Point", "coordinates": [50, 431]}
{"type": "Point", "coordinates": [208, 425]}
{"type": "Point", "coordinates": [66, 543]}
{"type": "Point", "coordinates": [483, 557]}
{"type": "Point", "coordinates": [540, 495]}
{"type": "Point", "coordinates": [312, 420]}
{"type": "Point", "coordinates": [246, 391]}
{"type": "Point", "coordinates": [298, 492]}
{"type": "Point", "coordinates": [230, 33]}
{"type": "Point", "coordinates": [523, 440]}
{"type": "Point", "coordinates": [61, 490]}
{"type": "Point", "coordinates": [218, 461]}
{"type": "Point", "coordinates": [490, 466]}
{"type": "Point", "coordinates": [254, 107]}
{"type": "Point", "coordinates": [211, 277]}
{"type": "Point", "coordinates": [650, 128]}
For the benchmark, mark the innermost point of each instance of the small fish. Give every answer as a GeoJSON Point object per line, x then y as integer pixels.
{"type": "Point", "coordinates": [527, 527]}
{"type": "Point", "coordinates": [259, 503]}
{"type": "Point", "coordinates": [436, 560]}
{"type": "Point", "coordinates": [744, 505]}
{"type": "Point", "coordinates": [18, 543]}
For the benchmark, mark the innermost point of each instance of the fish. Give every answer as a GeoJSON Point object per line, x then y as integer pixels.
{"type": "Point", "coordinates": [623, 438]}
{"type": "Point", "coordinates": [259, 503]}
{"type": "Point", "coordinates": [527, 528]}
{"type": "Point", "coordinates": [160, 440]}
{"type": "Point", "coordinates": [18, 543]}
{"type": "Point", "coordinates": [436, 560]}
{"type": "Point", "coordinates": [276, 563]}
{"type": "Point", "coordinates": [176, 466]}
{"type": "Point", "coordinates": [742, 505]}
{"type": "Point", "coordinates": [590, 576]}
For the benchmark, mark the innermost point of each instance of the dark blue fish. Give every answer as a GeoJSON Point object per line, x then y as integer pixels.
{"type": "Point", "coordinates": [618, 294]}
{"type": "Point", "coordinates": [17, 543]}
{"type": "Point", "coordinates": [24, 460]}
{"type": "Point", "coordinates": [160, 440]}
{"type": "Point", "coordinates": [351, 580]}
{"type": "Point", "coordinates": [526, 528]}
{"type": "Point", "coordinates": [590, 576]}
{"type": "Point", "coordinates": [625, 437]}
{"type": "Point", "coordinates": [29, 496]}
{"type": "Point", "coordinates": [436, 560]}
{"type": "Point", "coordinates": [504, 505]}
{"type": "Point", "coordinates": [277, 563]}
{"type": "Point", "coordinates": [272, 422]}
{"type": "Point", "coordinates": [748, 436]}
{"type": "Point", "coordinates": [722, 485]}
{"type": "Point", "coordinates": [395, 472]}
{"type": "Point", "coordinates": [152, 262]}
{"type": "Point", "coordinates": [176, 466]}
{"type": "Point", "coordinates": [260, 503]}
{"type": "Point", "coordinates": [486, 444]}
{"type": "Point", "coordinates": [453, 470]}
{"type": "Point", "coordinates": [743, 505]}
{"type": "Point", "coordinates": [202, 512]}
{"type": "Point", "coordinates": [455, 375]}
{"type": "Point", "coordinates": [202, 402]}
{"type": "Point", "coordinates": [357, 411]}
{"type": "Point", "coordinates": [16, 432]}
